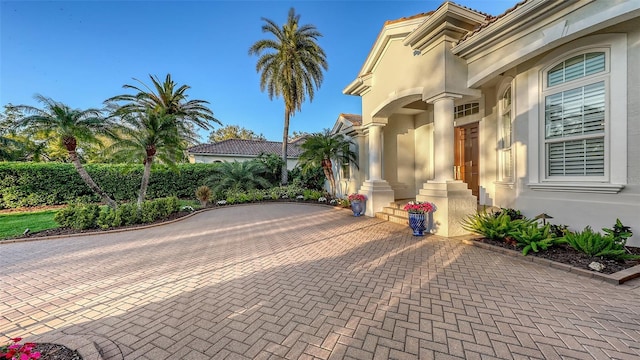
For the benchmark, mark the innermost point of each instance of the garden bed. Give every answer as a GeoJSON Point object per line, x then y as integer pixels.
{"type": "Point", "coordinates": [566, 255]}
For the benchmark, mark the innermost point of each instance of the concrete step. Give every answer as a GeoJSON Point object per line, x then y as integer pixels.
{"type": "Point", "coordinates": [393, 218]}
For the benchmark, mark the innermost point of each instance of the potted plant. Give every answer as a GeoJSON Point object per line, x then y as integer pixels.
{"type": "Point", "coordinates": [357, 203]}
{"type": "Point", "coordinates": [419, 216]}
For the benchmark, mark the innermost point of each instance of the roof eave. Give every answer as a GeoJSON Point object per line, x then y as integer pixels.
{"type": "Point", "coordinates": [528, 10]}
{"type": "Point", "coordinates": [446, 10]}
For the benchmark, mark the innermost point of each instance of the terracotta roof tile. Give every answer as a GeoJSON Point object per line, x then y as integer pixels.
{"type": "Point", "coordinates": [355, 119]}
{"type": "Point", "coordinates": [245, 148]}
{"type": "Point", "coordinates": [491, 20]}
{"type": "Point", "coordinates": [407, 18]}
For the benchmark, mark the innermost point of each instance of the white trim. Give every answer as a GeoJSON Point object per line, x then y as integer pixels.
{"type": "Point", "coordinates": [578, 187]}
{"type": "Point", "coordinates": [506, 84]}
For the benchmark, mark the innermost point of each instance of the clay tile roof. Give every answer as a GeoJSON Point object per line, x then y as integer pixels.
{"type": "Point", "coordinates": [491, 20]}
{"type": "Point", "coordinates": [246, 148]}
{"type": "Point", "coordinates": [407, 18]}
{"type": "Point", "coordinates": [355, 119]}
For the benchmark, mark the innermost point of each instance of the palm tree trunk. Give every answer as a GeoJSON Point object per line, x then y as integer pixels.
{"type": "Point", "coordinates": [285, 141]}
{"type": "Point", "coordinates": [89, 181]}
{"type": "Point", "coordinates": [145, 180]}
{"type": "Point", "coordinates": [327, 167]}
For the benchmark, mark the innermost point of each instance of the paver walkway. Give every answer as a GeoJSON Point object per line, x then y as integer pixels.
{"type": "Point", "coordinates": [300, 281]}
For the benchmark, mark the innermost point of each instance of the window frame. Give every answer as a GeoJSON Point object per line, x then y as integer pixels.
{"type": "Point", "coordinates": [501, 149]}
{"type": "Point", "coordinates": [603, 76]}
{"type": "Point", "coordinates": [617, 111]}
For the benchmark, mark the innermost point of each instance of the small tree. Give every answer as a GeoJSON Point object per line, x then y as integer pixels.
{"type": "Point", "coordinates": [321, 149]}
{"type": "Point", "coordinates": [144, 137]}
{"type": "Point", "coordinates": [234, 132]}
{"type": "Point", "coordinates": [69, 126]}
{"type": "Point", "coordinates": [238, 176]}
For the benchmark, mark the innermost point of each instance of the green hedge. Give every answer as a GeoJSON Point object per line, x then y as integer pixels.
{"type": "Point", "coordinates": [33, 184]}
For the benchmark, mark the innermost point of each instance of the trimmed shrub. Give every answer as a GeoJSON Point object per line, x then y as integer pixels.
{"type": "Point", "coordinates": [79, 217]}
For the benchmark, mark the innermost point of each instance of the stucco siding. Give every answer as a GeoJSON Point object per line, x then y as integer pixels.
{"type": "Point", "coordinates": [399, 155]}
{"type": "Point", "coordinates": [423, 148]}
{"type": "Point", "coordinates": [633, 109]}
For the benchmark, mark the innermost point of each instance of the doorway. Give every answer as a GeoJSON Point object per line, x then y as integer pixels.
{"type": "Point", "coordinates": [467, 157]}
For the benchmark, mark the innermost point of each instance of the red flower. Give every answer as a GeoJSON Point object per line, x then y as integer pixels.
{"type": "Point", "coordinates": [419, 207]}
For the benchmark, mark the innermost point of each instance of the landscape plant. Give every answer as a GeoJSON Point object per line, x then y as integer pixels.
{"type": "Point", "coordinates": [68, 126]}
{"type": "Point", "coordinates": [291, 65]}
{"type": "Point", "coordinates": [238, 176]}
{"type": "Point", "coordinates": [165, 97]}
{"type": "Point", "coordinates": [35, 184]}
{"type": "Point", "coordinates": [619, 233]}
{"type": "Point", "coordinates": [325, 149]}
{"type": "Point", "coordinates": [495, 227]}
{"type": "Point", "coordinates": [91, 216]}
{"type": "Point", "coordinates": [203, 194]}
{"type": "Point", "coordinates": [419, 207]}
{"type": "Point", "coordinates": [530, 236]}
{"type": "Point", "coordinates": [17, 351]}
{"type": "Point", "coordinates": [357, 197]}
{"type": "Point", "coordinates": [595, 244]}
{"type": "Point", "coordinates": [143, 137]}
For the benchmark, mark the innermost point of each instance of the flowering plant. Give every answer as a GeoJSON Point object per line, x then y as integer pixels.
{"type": "Point", "coordinates": [419, 207]}
{"type": "Point", "coordinates": [357, 197]}
{"type": "Point", "coordinates": [16, 351]}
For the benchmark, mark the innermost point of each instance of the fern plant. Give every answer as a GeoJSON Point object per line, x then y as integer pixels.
{"type": "Point", "coordinates": [492, 226]}
{"type": "Point", "coordinates": [530, 236]}
{"type": "Point", "coordinates": [598, 245]}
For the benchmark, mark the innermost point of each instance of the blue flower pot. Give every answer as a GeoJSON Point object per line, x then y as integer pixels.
{"type": "Point", "coordinates": [357, 207]}
{"type": "Point", "coordinates": [418, 223]}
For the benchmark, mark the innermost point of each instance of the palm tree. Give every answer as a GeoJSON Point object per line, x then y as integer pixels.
{"type": "Point", "coordinates": [238, 176]}
{"type": "Point", "coordinates": [168, 98]}
{"type": "Point", "coordinates": [144, 137]}
{"type": "Point", "coordinates": [291, 66]}
{"type": "Point", "coordinates": [69, 126]}
{"type": "Point", "coordinates": [321, 148]}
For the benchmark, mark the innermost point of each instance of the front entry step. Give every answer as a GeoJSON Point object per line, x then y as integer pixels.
{"type": "Point", "coordinates": [395, 213]}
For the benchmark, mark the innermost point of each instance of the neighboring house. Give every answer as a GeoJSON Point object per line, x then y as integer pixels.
{"type": "Point", "coordinates": [537, 109]}
{"type": "Point", "coordinates": [243, 150]}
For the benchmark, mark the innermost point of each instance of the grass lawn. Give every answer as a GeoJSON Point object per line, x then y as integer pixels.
{"type": "Point", "coordinates": [14, 224]}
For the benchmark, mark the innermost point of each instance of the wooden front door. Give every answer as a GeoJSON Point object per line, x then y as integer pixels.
{"type": "Point", "coordinates": [467, 157]}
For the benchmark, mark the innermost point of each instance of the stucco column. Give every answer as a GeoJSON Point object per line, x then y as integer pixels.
{"type": "Point", "coordinates": [443, 108]}
{"type": "Point", "coordinates": [375, 152]}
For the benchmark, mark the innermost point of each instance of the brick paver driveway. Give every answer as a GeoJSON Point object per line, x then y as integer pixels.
{"type": "Point", "coordinates": [301, 281]}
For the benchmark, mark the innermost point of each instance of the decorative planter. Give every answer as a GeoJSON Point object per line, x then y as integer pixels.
{"type": "Point", "coordinates": [419, 223]}
{"type": "Point", "coordinates": [357, 207]}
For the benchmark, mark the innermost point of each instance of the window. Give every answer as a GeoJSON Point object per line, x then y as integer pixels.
{"type": "Point", "coordinates": [575, 104]}
{"type": "Point", "coordinates": [466, 110]}
{"type": "Point", "coordinates": [577, 136]}
{"type": "Point", "coordinates": [505, 153]}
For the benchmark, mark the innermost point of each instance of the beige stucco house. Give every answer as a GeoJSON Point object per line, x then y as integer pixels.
{"type": "Point", "coordinates": [537, 109]}
{"type": "Point", "coordinates": [243, 150]}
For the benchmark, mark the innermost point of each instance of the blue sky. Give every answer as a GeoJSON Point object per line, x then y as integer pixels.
{"type": "Point", "coordinates": [82, 52]}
